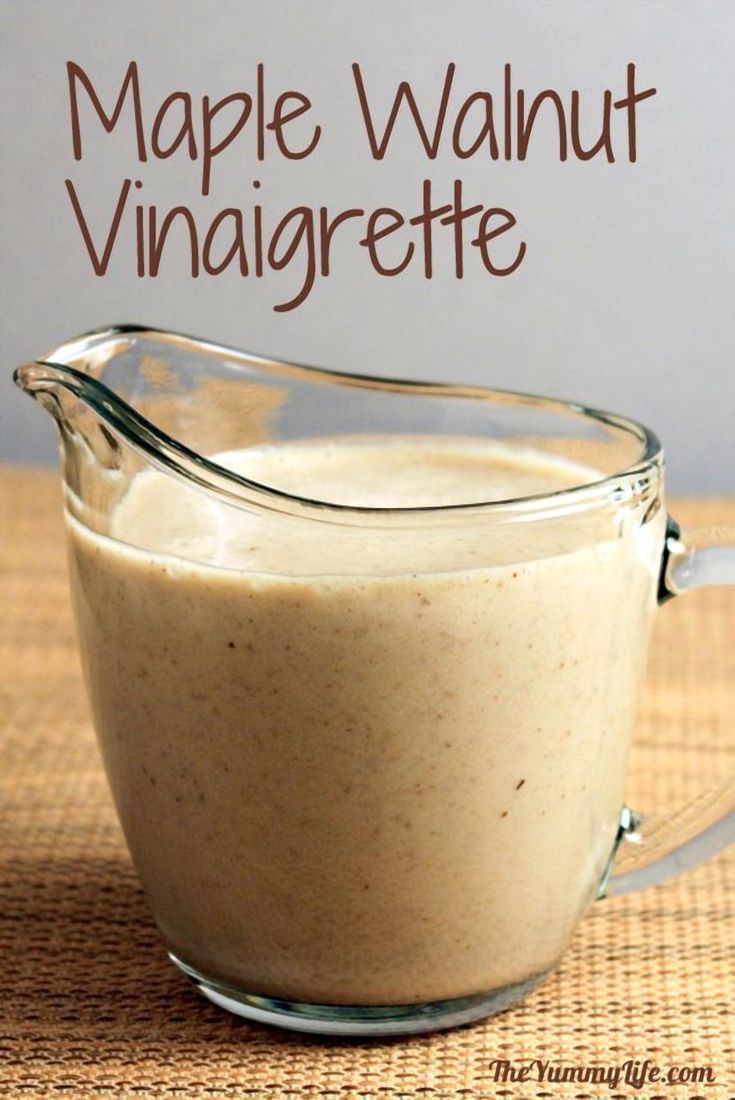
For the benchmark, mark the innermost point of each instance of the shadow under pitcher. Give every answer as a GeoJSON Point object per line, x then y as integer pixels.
{"type": "Point", "coordinates": [364, 657]}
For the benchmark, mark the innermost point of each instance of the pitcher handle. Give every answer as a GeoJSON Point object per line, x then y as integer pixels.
{"type": "Point", "coordinates": [651, 848]}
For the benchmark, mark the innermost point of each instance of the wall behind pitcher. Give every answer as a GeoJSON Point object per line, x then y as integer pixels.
{"type": "Point", "coordinates": [624, 296]}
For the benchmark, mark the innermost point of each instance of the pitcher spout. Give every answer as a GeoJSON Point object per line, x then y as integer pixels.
{"type": "Point", "coordinates": [78, 404]}
{"type": "Point", "coordinates": [46, 383]}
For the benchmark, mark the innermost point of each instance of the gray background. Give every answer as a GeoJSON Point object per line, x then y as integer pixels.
{"type": "Point", "coordinates": [624, 299]}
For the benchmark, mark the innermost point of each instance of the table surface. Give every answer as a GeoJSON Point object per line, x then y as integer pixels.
{"type": "Point", "coordinates": [92, 1007]}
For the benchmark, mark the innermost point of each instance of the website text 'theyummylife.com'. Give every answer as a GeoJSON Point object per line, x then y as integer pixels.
{"type": "Point", "coordinates": [633, 1073]}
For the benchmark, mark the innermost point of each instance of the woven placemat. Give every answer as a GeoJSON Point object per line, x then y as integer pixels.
{"type": "Point", "coordinates": [92, 1007]}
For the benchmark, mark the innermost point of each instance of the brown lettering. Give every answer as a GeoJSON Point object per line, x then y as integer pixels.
{"type": "Point", "coordinates": [525, 126]}
{"type": "Point", "coordinates": [186, 130]}
{"type": "Point", "coordinates": [99, 265]}
{"type": "Point", "coordinates": [425, 219]}
{"type": "Point", "coordinates": [484, 235]}
{"type": "Point", "coordinates": [209, 113]}
{"type": "Point", "coordinates": [260, 111]}
{"type": "Point", "coordinates": [157, 239]}
{"type": "Point", "coordinates": [373, 235]}
{"type": "Point", "coordinates": [457, 218]}
{"type": "Point", "coordinates": [304, 229]}
{"type": "Point", "coordinates": [486, 131]}
{"type": "Point", "coordinates": [431, 145]}
{"type": "Point", "coordinates": [327, 228]}
{"type": "Point", "coordinates": [237, 248]}
{"type": "Point", "coordinates": [280, 119]}
{"type": "Point", "coordinates": [629, 102]}
{"type": "Point", "coordinates": [603, 142]}
{"type": "Point", "coordinates": [76, 73]}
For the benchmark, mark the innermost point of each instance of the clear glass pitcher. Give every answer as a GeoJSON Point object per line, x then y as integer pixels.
{"type": "Point", "coordinates": [363, 657]}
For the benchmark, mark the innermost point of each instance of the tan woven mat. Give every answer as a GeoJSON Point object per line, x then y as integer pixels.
{"type": "Point", "coordinates": [92, 1007]}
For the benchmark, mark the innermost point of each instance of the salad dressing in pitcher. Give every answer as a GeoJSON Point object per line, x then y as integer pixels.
{"type": "Point", "coordinates": [399, 758]}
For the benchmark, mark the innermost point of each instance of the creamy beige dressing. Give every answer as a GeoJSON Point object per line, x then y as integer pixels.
{"type": "Point", "coordinates": [366, 766]}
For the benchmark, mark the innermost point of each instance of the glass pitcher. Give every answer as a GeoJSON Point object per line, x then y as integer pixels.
{"type": "Point", "coordinates": [363, 657]}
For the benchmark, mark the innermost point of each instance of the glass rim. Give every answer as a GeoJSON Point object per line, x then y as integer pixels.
{"type": "Point", "coordinates": [176, 458]}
